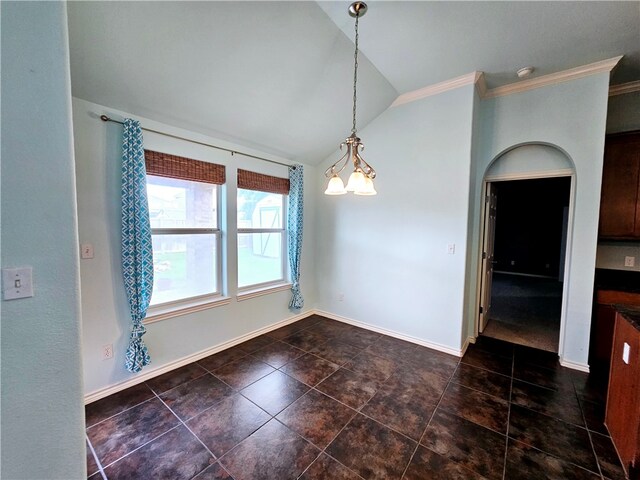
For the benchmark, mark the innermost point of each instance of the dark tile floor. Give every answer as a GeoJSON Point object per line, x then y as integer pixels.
{"type": "Point", "coordinates": [319, 399]}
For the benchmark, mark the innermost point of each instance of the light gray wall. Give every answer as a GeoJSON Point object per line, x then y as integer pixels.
{"type": "Point", "coordinates": [570, 116]}
{"type": "Point", "coordinates": [42, 409]}
{"type": "Point", "coordinates": [105, 312]}
{"type": "Point", "coordinates": [388, 254]}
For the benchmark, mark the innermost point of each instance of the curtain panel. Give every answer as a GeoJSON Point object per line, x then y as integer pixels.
{"type": "Point", "coordinates": [294, 231]}
{"type": "Point", "coordinates": [137, 251]}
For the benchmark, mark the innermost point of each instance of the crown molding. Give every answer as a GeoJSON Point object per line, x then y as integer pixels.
{"type": "Point", "coordinates": [477, 79]}
{"type": "Point", "coordinates": [438, 88]}
{"type": "Point", "coordinates": [554, 78]}
{"type": "Point", "coordinates": [623, 88]}
{"type": "Point", "coordinates": [481, 85]}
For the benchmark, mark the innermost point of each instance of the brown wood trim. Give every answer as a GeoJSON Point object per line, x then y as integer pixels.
{"type": "Point", "coordinates": [622, 416]}
{"type": "Point", "coordinates": [613, 297]}
{"type": "Point", "coordinates": [172, 166]}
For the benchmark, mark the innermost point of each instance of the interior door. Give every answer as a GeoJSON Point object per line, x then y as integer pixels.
{"type": "Point", "coordinates": [491, 200]}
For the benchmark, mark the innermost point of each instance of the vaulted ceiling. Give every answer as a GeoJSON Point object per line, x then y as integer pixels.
{"type": "Point", "coordinates": [277, 76]}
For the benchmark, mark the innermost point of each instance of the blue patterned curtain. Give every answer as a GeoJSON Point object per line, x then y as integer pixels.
{"type": "Point", "coordinates": [294, 230]}
{"type": "Point", "coordinates": [137, 252]}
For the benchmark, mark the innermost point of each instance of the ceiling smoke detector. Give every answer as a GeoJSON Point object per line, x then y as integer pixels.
{"type": "Point", "coordinates": [525, 72]}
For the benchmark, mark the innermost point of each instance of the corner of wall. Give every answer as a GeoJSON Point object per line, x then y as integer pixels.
{"type": "Point", "coordinates": [42, 408]}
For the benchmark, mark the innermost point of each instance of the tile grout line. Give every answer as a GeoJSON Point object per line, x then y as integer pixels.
{"type": "Point", "coordinates": [551, 417]}
{"type": "Point", "coordinates": [187, 427]}
{"type": "Point", "coordinates": [506, 439]}
{"type": "Point", "coordinates": [419, 443]}
{"type": "Point", "coordinates": [324, 450]}
{"type": "Point", "coordinates": [584, 419]}
{"type": "Point", "coordinates": [125, 410]}
{"type": "Point", "coordinates": [217, 459]}
{"type": "Point", "coordinates": [484, 393]}
{"type": "Point", "coordinates": [485, 368]}
{"type": "Point", "coordinates": [537, 448]}
{"type": "Point", "coordinates": [141, 446]}
{"type": "Point", "coordinates": [236, 391]}
{"type": "Point", "coordinates": [157, 392]}
{"type": "Point", "coordinates": [272, 417]}
{"type": "Point", "coordinates": [95, 457]}
{"type": "Point", "coordinates": [357, 411]}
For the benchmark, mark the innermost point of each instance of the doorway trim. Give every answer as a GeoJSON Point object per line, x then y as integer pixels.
{"type": "Point", "coordinates": [565, 172]}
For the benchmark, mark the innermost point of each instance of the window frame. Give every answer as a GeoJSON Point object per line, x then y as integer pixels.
{"type": "Point", "coordinates": [161, 311]}
{"type": "Point", "coordinates": [254, 289]}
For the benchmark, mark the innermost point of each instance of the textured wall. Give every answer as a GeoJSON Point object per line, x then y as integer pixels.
{"type": "Point", "coordinates": [570, 116]}
{"type": "Point", "coordinates": [388, 254]}
{"type": "Point", "coordinates": [42, 409]}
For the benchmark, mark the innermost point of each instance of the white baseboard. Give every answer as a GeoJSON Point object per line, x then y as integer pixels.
{"type": "Point", "coordinates": [582, 367]}
{"type": "Point", "coordinates": [391, 333]}
{"type": "Point", "coordinates": [167, 367]}
{"type": "Point", "coordinates": [466, 344]}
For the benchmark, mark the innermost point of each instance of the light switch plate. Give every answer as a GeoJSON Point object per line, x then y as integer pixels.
{"type": "Point", "coordinates": [626, 350]}
{"type": "Point", "coordinates": [451, 248]}
{"type": "Point", "coordinates": [17, 283]}
{"type": "Point", "coordinates": [629, 261]}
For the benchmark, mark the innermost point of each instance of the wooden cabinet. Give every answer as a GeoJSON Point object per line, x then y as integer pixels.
{"type": "Point", "coordinates": [602, 325]}
{"type": "Point", "coordinates": [623, 397]}
{"type": "Point", "coordinates": [620, 201]}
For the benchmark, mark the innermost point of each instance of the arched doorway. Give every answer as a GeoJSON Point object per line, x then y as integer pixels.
{"type": "Point", "coordinates": [526, 219]}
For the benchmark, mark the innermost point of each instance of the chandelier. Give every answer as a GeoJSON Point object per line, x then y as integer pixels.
{"type": "Point", "coordinates": [361, 179]}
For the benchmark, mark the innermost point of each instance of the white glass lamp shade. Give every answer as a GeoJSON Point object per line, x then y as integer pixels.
{"type": "Point", "coordinates": [367, 188]}
{"type": "Point", "coordinates": [335, 187]}
{"type": "Point", "coordinates": [356, 181]}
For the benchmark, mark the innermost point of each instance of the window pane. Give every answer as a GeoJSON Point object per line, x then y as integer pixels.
{"type": "Point", "coordinates": [184, 266]}
{"type": "Point", "coordinates": [177, 203]}
{"type": "Point", "coordinates": [259, 209]}
{"type": "Point", "coordinates": [259, 258]}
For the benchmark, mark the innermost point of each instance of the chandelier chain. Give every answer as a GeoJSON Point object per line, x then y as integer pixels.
{"type": "Point", "coordinates": [355, 78]}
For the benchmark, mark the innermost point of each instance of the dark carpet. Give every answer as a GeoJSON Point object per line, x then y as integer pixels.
{"type": "Point", "coordinates": [525, 311]}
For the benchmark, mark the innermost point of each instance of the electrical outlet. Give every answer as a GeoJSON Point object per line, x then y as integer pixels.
{"type": "Point", "coordinates": [341, 297]}
{"type": "Point", "coordinates": [626, 350]}
{"type": "Point", "coordinates": [86, 251]}
{"type": "Point", "coordinates": [629, 261]}
{"type": "Point", "coordinates": [107, 352]}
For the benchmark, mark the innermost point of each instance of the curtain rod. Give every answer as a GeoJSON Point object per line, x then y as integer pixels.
{"type": "Point", "coordinates": [105, 118]}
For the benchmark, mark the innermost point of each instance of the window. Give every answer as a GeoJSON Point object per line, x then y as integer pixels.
{"type": "Point", "coordinates": [261, 230]}
{"type": "Point", "coordinates": [185, 229]}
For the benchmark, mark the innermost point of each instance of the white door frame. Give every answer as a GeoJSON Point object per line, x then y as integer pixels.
{"type": "Point", "coordinates": [566, 172]}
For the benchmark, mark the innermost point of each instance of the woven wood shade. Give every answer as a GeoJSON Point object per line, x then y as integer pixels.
{"type": "Point", "coordinates": [264, 183]}
{"type": "Point", "coordinates": [165, 165]}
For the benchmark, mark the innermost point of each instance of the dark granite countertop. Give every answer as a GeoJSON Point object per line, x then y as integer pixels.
{"type": "Point", "coordinates": [618, 280]}
{"type": "Point", "coordinates": [631, 314]}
